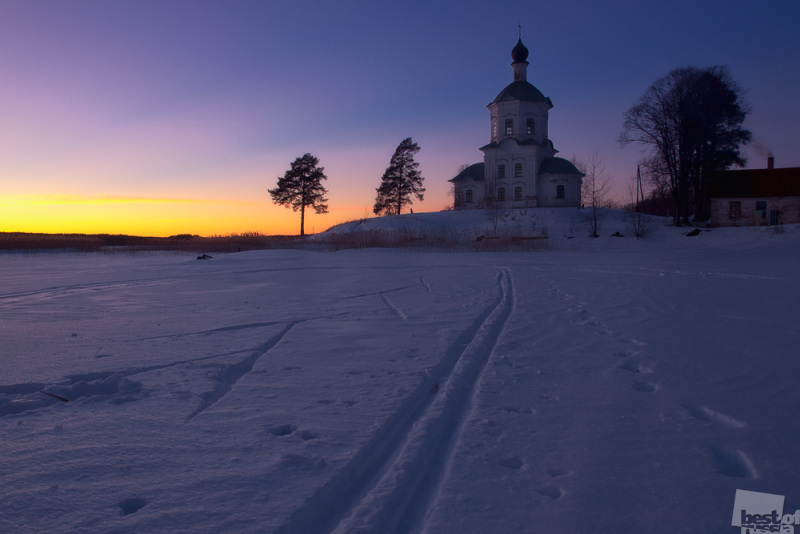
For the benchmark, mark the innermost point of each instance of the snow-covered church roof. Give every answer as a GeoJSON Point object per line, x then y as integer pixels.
{"type": "Point", "coordinates": [558, 166]}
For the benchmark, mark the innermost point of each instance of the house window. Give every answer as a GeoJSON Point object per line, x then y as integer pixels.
{"type": "Point", "coordinates": [518, 170]}
{"type": "Point", "coordinates": [501, 193]}
{"type": "Point", "coordinates": [517, 193]}
{"type": "Point", "coordinates": [560, 192]}
{"type": "Point", "coordinates": [494, 129]}
{"type": "Point", "coordinates": [501, 171]}
{"type": "Point", "coordinates": [530, 127]}
{"type": "Point", "coordinates": [761, 208]}
{"type": "Point", "coordinates": [469, 196]}
{"type": "Point", "coordinates": [735, 210]}
{"type": "Point", "coordinates": [509, 126]}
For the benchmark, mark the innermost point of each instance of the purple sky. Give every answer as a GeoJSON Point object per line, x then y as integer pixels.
{"type": "Point", "coordinates": [211, 101]}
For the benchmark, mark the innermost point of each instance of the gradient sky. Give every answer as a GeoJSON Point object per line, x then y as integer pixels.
{"type": "Point", "coordinates": [176, 116]}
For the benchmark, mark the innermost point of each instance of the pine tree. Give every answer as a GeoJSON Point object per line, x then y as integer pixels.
{"type": "Point", "coordinates": [301, 186]}
{"type": "Point", "coordinates": [401, 179]}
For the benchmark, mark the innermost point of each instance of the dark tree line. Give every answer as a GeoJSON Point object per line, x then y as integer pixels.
{"type": "Point", "coordinates": [690, 125]}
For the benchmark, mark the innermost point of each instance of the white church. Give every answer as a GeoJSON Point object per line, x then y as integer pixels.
{"type": "Point", "coordinates": [519, 168]}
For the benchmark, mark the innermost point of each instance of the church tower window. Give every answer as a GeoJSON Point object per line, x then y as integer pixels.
{"type": "Point", "coordinates": [494, 129]}
{"type": "Point", "coordinates": [509, 126]}
{"type": "Point", "coordinates": [530, 127]}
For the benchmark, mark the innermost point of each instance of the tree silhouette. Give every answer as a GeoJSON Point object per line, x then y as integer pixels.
{"type": "Point", "coordinates": [401, 179]}
{"type": "Point", "coordinates": [301, 186]}
{"type": "Point", "coordinates": [690, 121]}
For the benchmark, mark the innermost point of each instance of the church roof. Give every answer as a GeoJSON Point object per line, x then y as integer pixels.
{"type": "Point", "coordinates": [524, 142]}
{"type": "Point", "coordinates": [523, 91]}
{"type": "Point", "coordinates": [558, 166]}
{"type": "Point", "coordinates": [473, 172]}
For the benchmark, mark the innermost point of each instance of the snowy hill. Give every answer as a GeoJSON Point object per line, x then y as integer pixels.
{"type": "Point", "coordinates": [564, 228]}
{"type": "Point", "coordinates": [596, 385]}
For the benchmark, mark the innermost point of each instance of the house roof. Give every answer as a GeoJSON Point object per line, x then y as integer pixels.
{"type": "Point", "coordinates": [473, 172]}
{"type": "Point", "coordinates": [558, 166]}
{"type": "Point", "coordinates": [749, 183]}
{"type": "Point", "coordinates": [523, 91]}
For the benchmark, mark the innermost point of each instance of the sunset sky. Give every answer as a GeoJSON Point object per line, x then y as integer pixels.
{"type": "Point", "coordinates": [175, 116]}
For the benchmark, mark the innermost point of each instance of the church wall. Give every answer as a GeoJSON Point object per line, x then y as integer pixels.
{"type": "Point", "coordinates": [548, 190]}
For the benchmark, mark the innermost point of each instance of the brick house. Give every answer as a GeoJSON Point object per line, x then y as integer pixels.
{"type": "Point", "coordinates": [753, 197]}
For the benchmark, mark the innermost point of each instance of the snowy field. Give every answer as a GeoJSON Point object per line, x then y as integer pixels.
{"type": "Point", "coordinates": [611, 385]}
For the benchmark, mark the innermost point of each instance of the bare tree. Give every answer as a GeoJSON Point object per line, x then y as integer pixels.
{"type": "Point", "coordinates": [595, 187]}
{"type": "Point", "coordinates": [637, 194]}
{"type": "Point", "coordinates": [691, 121]}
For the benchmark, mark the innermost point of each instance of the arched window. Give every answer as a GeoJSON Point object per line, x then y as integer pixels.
{"type": "Point", "coordinates": [517, 193]}
{"type": "Point", "coordinates": [469, 196]}
{"type": "Point", "coordinates": [501, 193]}
{"type": "Point", "coordinates": [530, 126]}
{"type": "Point", "coordinates": [560, 192]}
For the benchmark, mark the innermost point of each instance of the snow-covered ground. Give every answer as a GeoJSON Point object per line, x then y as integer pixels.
{"type": "Point", "coordinates": [601, 385]}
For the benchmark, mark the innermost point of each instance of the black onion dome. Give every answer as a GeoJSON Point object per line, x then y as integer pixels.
{"type": "Point", "coordinates": [519, 54]}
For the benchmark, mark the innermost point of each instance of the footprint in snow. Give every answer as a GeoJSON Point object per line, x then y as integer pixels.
{"type": "Point", "coordinates": [512, 462]}
{"type": "Point", "coordinates": [732, 462]}
{"type": "Point", "coordinates": [528, 411]}
{"type": "Point", "coordinates": [645, 386]}
{"type": "Point", "coordinates": [632, 341]}
{"type": "Point", "coordinates": [635, 367]}
{"type": "Point", "coordinates": [131, 505]}
{"type": "Point", "coordinates": [707, 414]}
{"type": "Point", "coordinates": [282, 430]}
{"type": "Point", "coordinates": [551, 491]}
{"type": "Point", "coordinates": [307, 435]}
{"type": "Point", "coordinates": [556, 472]}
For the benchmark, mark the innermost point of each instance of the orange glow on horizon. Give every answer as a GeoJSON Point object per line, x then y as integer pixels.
{"type": "Point", "coordinates": [159, 217]}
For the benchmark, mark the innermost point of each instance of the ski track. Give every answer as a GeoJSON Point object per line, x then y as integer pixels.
{"type": "Point", "coordinates": [389, 484]}
{"type": "Point", "coordinates": [393, 308]}
{"type": "Point", "coordinates": [231, 374]}
{"type": "Point", "coordinates": [60, 291]}
{"type": "Point", "coordinates": [28, 396]}
{"type": "Point", "coordinates": [373, 293]}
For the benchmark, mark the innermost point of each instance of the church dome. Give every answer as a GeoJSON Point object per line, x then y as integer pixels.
{"type": "Point", "coordinates": [521, 90]}
{"type": "Point", "coordinates": [519, 53]}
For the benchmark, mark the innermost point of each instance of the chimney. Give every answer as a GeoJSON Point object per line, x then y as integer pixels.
{"type": "Point", "coordinates": [771, 162]}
